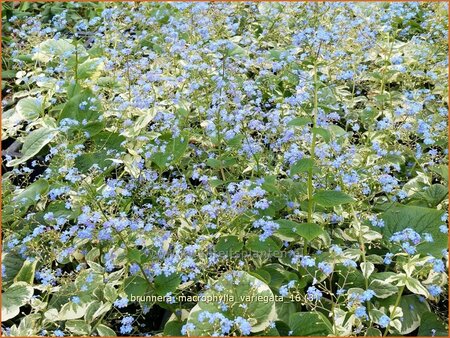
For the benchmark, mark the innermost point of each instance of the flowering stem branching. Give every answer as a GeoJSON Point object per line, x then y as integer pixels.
{"type": "Point", "coordinates": [312, 150]}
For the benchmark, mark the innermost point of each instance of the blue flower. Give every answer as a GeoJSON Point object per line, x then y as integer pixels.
{"type": "Point", "coordinates": [121, 303]}
{"type": "Point", "coordinates": [186, 328]}
{"type": "Point", "coordinates": [325, 268]}
{"type": "Point", "coordinates": [313, 293]}
{"type": "Point", "coordinates": [435, 290]}
{"type": "Point", "coordinates": [360, 312]}
{"type": "Point", "coordinates": [58, 333]}
{"type": "Point", "coordinates": [367, 295]}
{"type": "Point", "coordinates": [243, 325]}
{"type": "Point", "coordinates": [388, 258]}
{"type": "Point", "coordinates": [384, 321]}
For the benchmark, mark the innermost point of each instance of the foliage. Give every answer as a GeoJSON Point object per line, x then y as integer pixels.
{"type": "Point", "coordinates": [160, 158]}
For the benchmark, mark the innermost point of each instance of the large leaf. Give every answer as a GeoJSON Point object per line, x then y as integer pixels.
{"type": "Point", "coordinates": [136, 286]}
{"type": "Point", "coordinates": [30, 108]}
{"type": "Point", "coordinates": [13, 298]}
{"type": "Point", "coordinates": [12, 263]}
{"type": "Point", "coordinates": [237, 286]}
{"type": "Point", "coordinates": [50, 49]}
{"type": "Point", "coordinates": [434, 195]}
{"type": "Point", "coordinates": [290, 230]}
{"type": "Point", "coordinates": [72, 310]}
{"type": "Point", "coordinates": [412, 308]}
{"type": "Point", "coordinates": [165, 284]}
{"type": "Point", "coordinates": [83, 107]}
{"type": "Point", "coordinates": [270, 244]}
{"type": "Point", "coordinates": [26, 273]}
{"type": "Point", "coordinates": [78, 327]}
{"type": "Point", "coordinates": [422, 220]}
{"type": "Point", "coordinates": [173, 328]}
{"type": "Point", "coordinates": [33, 143]}
{"type": "Point", "coordinates": [173, 151]}
{"type": "Point", "coordinates": [91, 68]}
{"type": "Point", "coordinates": [432, 325]}
{"type": "Point", "coordinates": [84, 162]}
{"type": "Point", "coordinates": [227, 245]}
{"type": "Point", "coordinates": [309, 324]}
{"type": "Point", "coordinates": [331, 198]}
{"type": "Point", "coordinates": [31, 194]}
{"type": "Point", "coordinates": [105, 331]}
{"type": "Point", "coordinates": [382, 289]}
{"type": "Point", "coordinates": [303, 165]}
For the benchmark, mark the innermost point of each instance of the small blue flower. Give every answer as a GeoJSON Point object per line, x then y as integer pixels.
{"type": "Point", "coordinates": [435, 290]}
{"type": "Point", "coordinates": [360, 312]}
{"type": "Point", "coordinates": [384, 321]}
{"type": "Point", "coordinates": [121, 303]}
{"type": "Point", "coordinates": [58, 333]}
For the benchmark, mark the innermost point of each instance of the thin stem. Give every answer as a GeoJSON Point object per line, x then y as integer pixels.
{"type": "Point", "coordinates": [311, 153]}
{"type": "Point", "coordinates": [76, 62]}
{"type": "Point", "coordinates": [397, 302]}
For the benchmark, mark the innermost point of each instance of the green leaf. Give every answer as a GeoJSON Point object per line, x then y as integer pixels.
{"type": "Point", "coordinates": [26, 273]}
{"type": "Point", "coordinates": [90, 311]}
{"type": "Point", "coordinates": [383, 289]}
{"type": "Point", "coordinates": [299, 121]}
{"type": "Point", "coordinates": [134, 255]}
{"type": "Point", "coordinates": [256, 245]}
{"type": "Point", "coordinates": [284, 310]}
{"type": "Point", "coordinates": [422, 220]}
{"type": "Point", "coordinates": [108, 140]}
{"type": "Point", "coordinates": [79, 327]}
{"type": "Point", "coordinates": [50, 49]}
{"type": "Point", "coordinates": [165, 284]}
{"type": "Point", "coordinates": [434, 195]}
{"type": "Point", "coordinates": [8, 74]}
{"type": "Point", "coordinates": [237, 288]}
{"type": "Point", "coordinates": [72, 310]}
{"type": "Point", "coordinates": [309, 324]}
{"type": "Point", "coordinates": [91, 68]}
{"type": "Point", "coordinates": [84, 162]}
{"type": "Point", "coordinates": [110, 293]}
{"type": "Point", "coordinates": [290, 230]}
{"type": "Point", "coordinates": [82, 107]}
{"type": "Point", "coordinates": [432, 325]}
{"type": "Point", "coordinates": [228, 245]}
{"type": "Point", "coordinates": [322, 132]}
{"type": "Point", "coordinates": [135, 286]}
{"type": "Point", "coordinates": [13, 298]}
{"type": "Point", "coordinates": [413, 309]}
{"type": "Point", "coordinates": [30, 108]}
{"type": "Point", "coordinates": [13, 263]}
{"type": "Point", "coordinates": [367, 268]}
{"type": "Point", "coordinates": [331, 198]}
{"type": "Point", "coordinates": [174, 151]}
{"type": "Point", "coordinates": [28, 326]}
{"type": "Point", "coordinates": [105, 331]}
{"type": "Point", "coordinates": [416, 287]}
{"type": "Point", "coordinates": [373, 332]}
{"type": "Point", "coordinates": [173, 328]}
{"type": "Point", "coordinates": [303, 165]}
{"type": "Point", "coordinates": [31, 194]}
{"type": "Point", "coordinates": [441, 170]}
{"type": "Point", "coordinates": [33, 143]}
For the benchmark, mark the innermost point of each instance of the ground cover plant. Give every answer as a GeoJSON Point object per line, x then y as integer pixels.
{"type": "Point", "coordinates": [224, 169]}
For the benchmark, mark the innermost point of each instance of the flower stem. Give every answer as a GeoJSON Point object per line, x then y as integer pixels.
{"type": "Point", "coordinates": [397, 302]}
{"type": "Point", "coordinates": [311, 153]}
